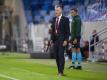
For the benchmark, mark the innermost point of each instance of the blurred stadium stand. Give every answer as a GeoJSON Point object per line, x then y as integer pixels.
{"type": "Point", "coordinates": [89, 10]}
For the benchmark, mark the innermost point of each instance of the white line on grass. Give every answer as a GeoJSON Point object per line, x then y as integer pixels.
{"type": "Point", "coordinates": [20, 69]}
{"type": "Point", "coordinates": [8, 77]}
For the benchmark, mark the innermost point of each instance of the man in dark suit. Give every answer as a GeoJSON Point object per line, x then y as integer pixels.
{"type": "Point", "coordinates": [59, 36]}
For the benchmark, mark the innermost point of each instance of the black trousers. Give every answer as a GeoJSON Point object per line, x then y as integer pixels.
{"type": "Point", "coordinates": [77, 45]}
{"type": "Point", "coordinates": [59, 54]}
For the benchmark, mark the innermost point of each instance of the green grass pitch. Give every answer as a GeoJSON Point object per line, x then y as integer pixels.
{"type": "Point", "coordinates": [17, 66]}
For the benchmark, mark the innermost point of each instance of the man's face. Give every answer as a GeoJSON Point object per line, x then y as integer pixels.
{"type": "Point", "coordinates": [73, 13]}
{"type": "Point", "coordinates": [58, 11]}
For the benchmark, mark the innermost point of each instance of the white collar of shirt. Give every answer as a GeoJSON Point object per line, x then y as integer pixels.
{"type": "Point", "coordinates": [59, 18]}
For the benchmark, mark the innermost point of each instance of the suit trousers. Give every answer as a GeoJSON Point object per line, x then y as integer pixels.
{"type": "Point", "coordinates": [59, 54]}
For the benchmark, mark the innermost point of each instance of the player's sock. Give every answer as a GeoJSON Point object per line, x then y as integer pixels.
{"type": "Point", "coordinates": [79, 58]}
{"type": "Point", "coordinates": [73, 65]}
{"type": "Point", "coordinates": [73, 58]}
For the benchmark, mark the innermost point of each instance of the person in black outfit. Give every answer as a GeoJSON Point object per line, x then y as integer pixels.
{"type": "Point", "coordinates": [59, 36]}
{"type": "Point", "coordinates": [94, 39]}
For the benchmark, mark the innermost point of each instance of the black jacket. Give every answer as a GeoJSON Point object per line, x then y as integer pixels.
{"type": "Point", "coordinates": [76, 27]}
{"type": "Point", "coordinates": [64, 29]}
{"type": "Point", "coordinates": [96, 38]}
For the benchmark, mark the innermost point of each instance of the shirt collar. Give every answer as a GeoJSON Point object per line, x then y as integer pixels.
{"type": "Point", "coordinates": [59, 16]}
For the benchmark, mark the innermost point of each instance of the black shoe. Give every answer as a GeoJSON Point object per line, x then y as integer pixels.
{"type": "Point", "coordinates": [71, 67]}
{"type": "Point", "coordinates": [79, 67]}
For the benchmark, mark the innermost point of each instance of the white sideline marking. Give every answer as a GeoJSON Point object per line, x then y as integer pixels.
{"type": "Point", "coordinates": [40, 74]}
{"type": "Point", "coordinates": [8, 77]}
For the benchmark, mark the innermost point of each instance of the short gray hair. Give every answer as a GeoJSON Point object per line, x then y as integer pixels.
{"type": "Point", "coordinates": [58, 5]}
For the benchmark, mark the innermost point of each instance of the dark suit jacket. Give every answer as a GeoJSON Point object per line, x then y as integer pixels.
{"type": "Point", "coordinates": [64, 29]}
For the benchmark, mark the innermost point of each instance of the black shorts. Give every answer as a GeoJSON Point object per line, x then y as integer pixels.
{"type": "Point", "coordinates": [77, 45]}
